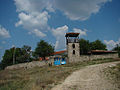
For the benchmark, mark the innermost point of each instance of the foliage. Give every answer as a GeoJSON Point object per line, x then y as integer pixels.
{"type": "Point", "coordinates": [84, 46]}
{"type": "Point", "coordinates": [24, 54]}
{"type": "Point", "coordinates": [119, 52]}
{"type": "Point", "coordinates": [7, 58]}
{"type": "Point", "coordinates": [20, 55]}
{"type": "Point", "coordinates": [97, 45]}
{"type": "Point", "coordinates": [43, 49]}
{"type": "Point", "coordinates": [117, 48]}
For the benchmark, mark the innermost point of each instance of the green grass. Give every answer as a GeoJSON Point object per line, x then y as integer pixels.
{"type": "Point", "coordinates": [40, 78]}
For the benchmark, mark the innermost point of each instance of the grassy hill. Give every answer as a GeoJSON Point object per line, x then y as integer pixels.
{"type": "Point", "coordinates": [40, 78]}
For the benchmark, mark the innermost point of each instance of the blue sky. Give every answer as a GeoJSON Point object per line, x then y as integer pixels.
{"type": "Point", "coordinates": [26, 22]}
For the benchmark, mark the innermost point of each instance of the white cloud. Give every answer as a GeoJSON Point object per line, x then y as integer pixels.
{"type": "Point", "coordinates": [32, 16]}
{"type": "Point", "coordinates": [82, 32]}
{"type": "Point", "coordinates": [111, 44]}
{"type": "Point", "coordinates": [79, 9]}
{"type": "Point", "coordinates": [74, 9]}
{"type": "Point", "coordinates": [32, 6]}
{"type": "Point", "coordinates": [38, 33]}
{"type": "Point", "coordinates": [59, 33]}
{"type": "Point", "coordinates": [31, 22]}
{"type": "Point", "coordinates": [4, 33]}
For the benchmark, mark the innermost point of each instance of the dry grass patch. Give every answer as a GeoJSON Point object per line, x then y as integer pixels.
{"type": "Point", "coordinates": [40, 78]}
{"type": "Point", "coordinates": [113, 74]}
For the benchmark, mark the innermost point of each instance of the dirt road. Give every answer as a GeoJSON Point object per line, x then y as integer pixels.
{"type": "Point", "coordinates": [88, 78]}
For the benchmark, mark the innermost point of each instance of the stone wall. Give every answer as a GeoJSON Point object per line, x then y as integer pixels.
{"type": "Point", "coordinates": [31, 64]}
{"type": "Point", "coordinates": [51, 61]}
{"type": "Point", "coordinates": [93, 57]}
{"type": "Point", "coordinates": [115, 55]}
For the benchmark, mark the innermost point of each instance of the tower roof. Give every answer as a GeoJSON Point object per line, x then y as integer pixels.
{"type": "Point", "coordinates": [72, 34]}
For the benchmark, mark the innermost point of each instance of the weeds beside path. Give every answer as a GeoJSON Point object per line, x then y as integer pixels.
{"type": "Point", "coordinates": [113, 74]}
{"type": "Point", "coordinates": [88, 78]}
{"type": "Point", "coordinates": [40, 78]}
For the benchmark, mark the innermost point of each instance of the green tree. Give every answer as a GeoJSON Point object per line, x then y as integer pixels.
{"type": "Point", "coordinates": [97, 45]}
{"type": "Point", "coordinates": [15, 56]}
{"type": "Point", "coordinates": [43, 49]}
{"type": "Point", "coordinates": [23, 54]}
{"type": "Point", "coordinates": [117, 48]}
{"type": "Point", "coordinates": [7, 58]}
{"type": "Point", "coordinates": [84, 46]}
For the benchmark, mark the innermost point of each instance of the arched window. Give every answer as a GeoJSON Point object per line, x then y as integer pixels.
{"type": "Point", "coordinates": [73, 45]}
{"type": "Point", "coordinates": [74, 52]}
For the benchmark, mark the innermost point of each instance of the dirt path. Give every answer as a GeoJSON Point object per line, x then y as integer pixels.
{"type": "Point", "coordinates": [88, 78]}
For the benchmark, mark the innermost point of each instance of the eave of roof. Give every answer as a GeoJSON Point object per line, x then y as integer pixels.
{"type": "Point", "coordinates": [72, 34]}
{"type": "Point", "coordinates": [59, 52]}
{"type": "Point", "coordinates": [102, 51]}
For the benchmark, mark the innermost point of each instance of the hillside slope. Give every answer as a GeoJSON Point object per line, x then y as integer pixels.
{"type": "Point", "coordinates": [43, 78]}
{"type": "Point", "coordinates": [88, 78]}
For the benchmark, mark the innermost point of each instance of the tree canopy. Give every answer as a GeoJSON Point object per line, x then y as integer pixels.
{"type": "Point", "coordinates": [84, 46]}
{"type": "Point", "coordinates": [16, 55]}
{"type": "Point", "coordinates": [43, 49]}
{"type": "Point", "coordinates": [117, 48]}
{"type": "Point", "coordinates": [97, 45]}
{"type": "Point", "coordinates": [23, 54]}
{"type": "Point", "coordinates": [7, 58]}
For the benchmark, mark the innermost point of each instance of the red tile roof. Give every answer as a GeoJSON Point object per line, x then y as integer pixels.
{"type": "Point", "coordinates": [102, 51]}
{"type": "Point", "coordinates": [92, 51]}
{"type": "Point", "coordinates": [59, 52]}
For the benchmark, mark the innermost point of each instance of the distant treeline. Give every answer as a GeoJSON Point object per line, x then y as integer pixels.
{"type": "Point", "coordinates": [17, 55]}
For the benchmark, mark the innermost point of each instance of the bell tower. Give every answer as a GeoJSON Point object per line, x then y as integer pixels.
{"type": "Point", "coordinates": [73, 49]}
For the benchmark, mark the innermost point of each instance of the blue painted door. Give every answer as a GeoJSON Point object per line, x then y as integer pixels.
{"type": "Point", "coordinates": [63, 61]}
{"type": "Point", "coordinates": [57, 61]}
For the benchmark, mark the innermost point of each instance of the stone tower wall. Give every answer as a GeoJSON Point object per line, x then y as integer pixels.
{"type": "Point", "coordinates": [73, 57]}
